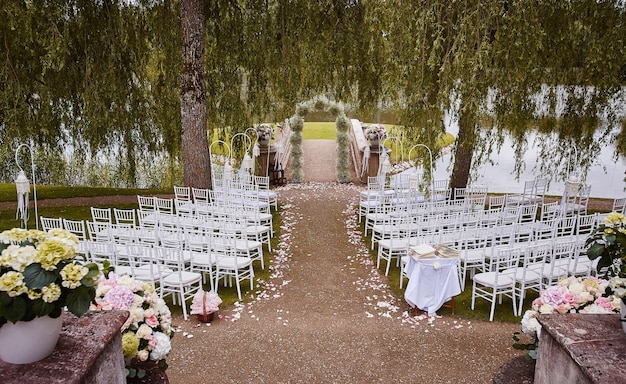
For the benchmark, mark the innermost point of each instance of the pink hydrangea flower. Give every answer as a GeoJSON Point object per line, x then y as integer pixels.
{"type": "Point", "coordinates": [120, 297]}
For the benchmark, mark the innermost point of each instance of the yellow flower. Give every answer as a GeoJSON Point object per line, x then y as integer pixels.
{"type": "Point", "coordinates": [613, 219]}
{"type": "Point", "coordinates": [51, 251]}
{"type": "Point", "coordinates": [130, 344]}
{"type": "Point", "coordinates": [13, 283]}
{"type": "Point", "coordinates": [51, 293]}
{"type": "Point", "coordinates": [72, 274]}
{"type": "Point", "coordinates": [33, 294]}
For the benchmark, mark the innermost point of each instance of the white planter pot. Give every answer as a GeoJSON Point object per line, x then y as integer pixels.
{"type": "Point", "coordinates": [28, 341]}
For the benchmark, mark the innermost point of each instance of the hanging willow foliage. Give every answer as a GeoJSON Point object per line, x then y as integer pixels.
{"type": "Point", "coordinates": [103, 77]}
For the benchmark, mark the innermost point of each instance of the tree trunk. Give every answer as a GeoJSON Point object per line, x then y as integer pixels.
{"type": "Point", "coordinates": [193, 108]}
{"type": "Point", "coordinates": [464, 151]}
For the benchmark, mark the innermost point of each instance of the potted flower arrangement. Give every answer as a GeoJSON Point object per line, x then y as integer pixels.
{"type": "Point", "coordinates": [264, 133]}
{"type": "Point", "coordinates": [570, 295]}
{"type": "Point", "coordinates": [204, 305]}
{"type": "Point", "coordinates": [40, 274]}
{"type": "Point", "coordinates": [147, 332]}
{"type": "Point", "coordinates": [608, 244]}
{"type": "Point", "coordinates": [375, 133]}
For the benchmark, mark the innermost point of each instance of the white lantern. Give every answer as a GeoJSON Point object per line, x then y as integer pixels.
{"type": "Point", "coordinates": [572, 185]}
{"type": "Point", "coordinates": [23, 189]}
{"type": "Point", "coordinates": [22, 184]}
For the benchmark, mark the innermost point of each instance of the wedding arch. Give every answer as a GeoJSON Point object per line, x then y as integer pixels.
{"type": "Point", "coordinates": [296, 122]}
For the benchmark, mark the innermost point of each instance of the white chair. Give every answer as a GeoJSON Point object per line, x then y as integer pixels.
{"type": "Point", "coordinates": [527, 213]}
{"type": "Point", "coordinates": [125, 216]}
{"type": "Point", "coordinates": [228, 265]}
{"type": "Point", "coordinates": [202, 260]}
{"type": "Point", "coordinates": [499, 281]}
{"type": "Point", "coordinates": [77, 227]}
{"type": "Point", "coordinates": [497, 201]}
{"type": "Point", "coordinates": [143, 264]}
{"type": "Point", "coordinates": [526, 197]}
{"type": "Point", "coordinates": [372, 197]}
{"type": "Point", "coordinates": [146, 203]}
{"type": "Point", "coordinates": [182, 284]}
{"type": "Point", "coordinates": [238, 228]}
{"type": "Point", "coordinates": [392, 247]}
{"type": "Point", "coordinates": [101, 215]}
{"type": "Point", "coordinates": [539, 193]}
{"type": "Point", "coordinates": [559, 264]}
{"type": "Point", "coordinates": [48, 223]}
{"type": "Point", "coordinates": [99, 252]}
{"type": "Point", "coordinates": [529, 275]}
{"type": "Point", "coordinates": [550, 211]}
{"type": "Point", "coordinates": [255, 229]}
{"type": "Point", "coordinates": [100, 231]}
{"type": "Point", "coordinates": [619, 205]}
{"type": "Point", "coordinates": [182, 193]}
{"type": "Point", "coordinates": [264, 192]}
{"type": "Point", "coordinates": [164, 205]}
{"type": "Point", "coordinates": [472, 249]}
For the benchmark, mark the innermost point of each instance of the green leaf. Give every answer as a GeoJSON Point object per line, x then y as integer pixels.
{"type": "Point", "coordinates": [141, 373]}
{"type": "Point", "coordinates": [41, 308]}
{"type": "Point", "coordinates": [79, 299]}
{"type": "Point", "coordinates": [604, 262]}
{"type": "Point", "coordinates": [37, 277]}
{"type": "Point", "coordinates": [610, 239]}
{"type": "Point", "coordinates": [90, 279]}
{"type": "Point", "coordinates": [15, 310]}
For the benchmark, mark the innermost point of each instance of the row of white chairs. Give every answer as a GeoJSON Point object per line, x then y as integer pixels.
{"type": "Point", "coordinates": [513, 270]}
{"type": "Point", "coordinates": [246, 185]}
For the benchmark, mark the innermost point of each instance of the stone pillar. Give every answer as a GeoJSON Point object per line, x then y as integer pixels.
{"type": "Point", "coordinates": [88, 351]}
{"type": "Point", "coordinates": [581, 348]}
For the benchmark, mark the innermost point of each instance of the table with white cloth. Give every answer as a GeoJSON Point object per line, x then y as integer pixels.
{"type": "Point", "coordinates": [432, 282]}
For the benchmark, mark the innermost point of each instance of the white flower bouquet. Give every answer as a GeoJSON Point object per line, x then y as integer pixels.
{"type": "Point", "coordinates": [147, 332]}
{"type": "Point", "coordinates": [264, 131]}
{"type": "Point", "coordinates": [375, 132]}
{"type": "Point", "coordinates": [40, 274]}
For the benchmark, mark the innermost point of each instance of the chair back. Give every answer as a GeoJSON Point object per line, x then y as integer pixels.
{"type": "Point", "coordinates": [125, 216]}
{"type": "Point", "coordinates": [102, 215]}
{"type": "Point", "coordinates": [182, 193]}
{"type": "Point", "coordinates": [48, 223]}
{"type": "Point", "coordinates": [146, 203]}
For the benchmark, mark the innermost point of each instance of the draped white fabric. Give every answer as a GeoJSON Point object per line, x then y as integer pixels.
{"type": "Point", "coordinates": [432, 282]}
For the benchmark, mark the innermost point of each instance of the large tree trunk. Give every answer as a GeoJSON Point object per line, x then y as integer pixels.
{"type": "Point", "coordinates": [193, 108]}
{"type": "Point", "coordinates": [464, 151]}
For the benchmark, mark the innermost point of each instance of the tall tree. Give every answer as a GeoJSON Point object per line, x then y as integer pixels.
{"type": "Point", "coordinates": [193, 107]}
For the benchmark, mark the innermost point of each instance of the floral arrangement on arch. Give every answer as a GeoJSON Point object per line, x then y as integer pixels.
{"type": "Point", "coordinates": [147, 332]}
{"type": "Point", "coordinates": [570, 295]}
{"type": "Point", "coordinates": [375, 132]}
{"type": "Point", "coordinates": [40, 274]}
{"type": "Point", "coordinates": [264, 132]}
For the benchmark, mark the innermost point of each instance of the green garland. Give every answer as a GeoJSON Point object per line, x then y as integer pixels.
{"type": "Point", "coordinates": [320, 103]}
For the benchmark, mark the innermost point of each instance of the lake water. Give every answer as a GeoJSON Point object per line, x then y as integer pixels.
{"type": "Point", "coordinates": [501, 178]}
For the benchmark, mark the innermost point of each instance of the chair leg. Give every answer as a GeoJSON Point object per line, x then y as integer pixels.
{"type": "Point", "coordinates": [493, 305]}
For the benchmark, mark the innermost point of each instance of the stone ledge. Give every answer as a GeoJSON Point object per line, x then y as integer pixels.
{"type": "Point", "coordinates": [80, 351]}
{"type": "Point", "coordinates": [592, 345]}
